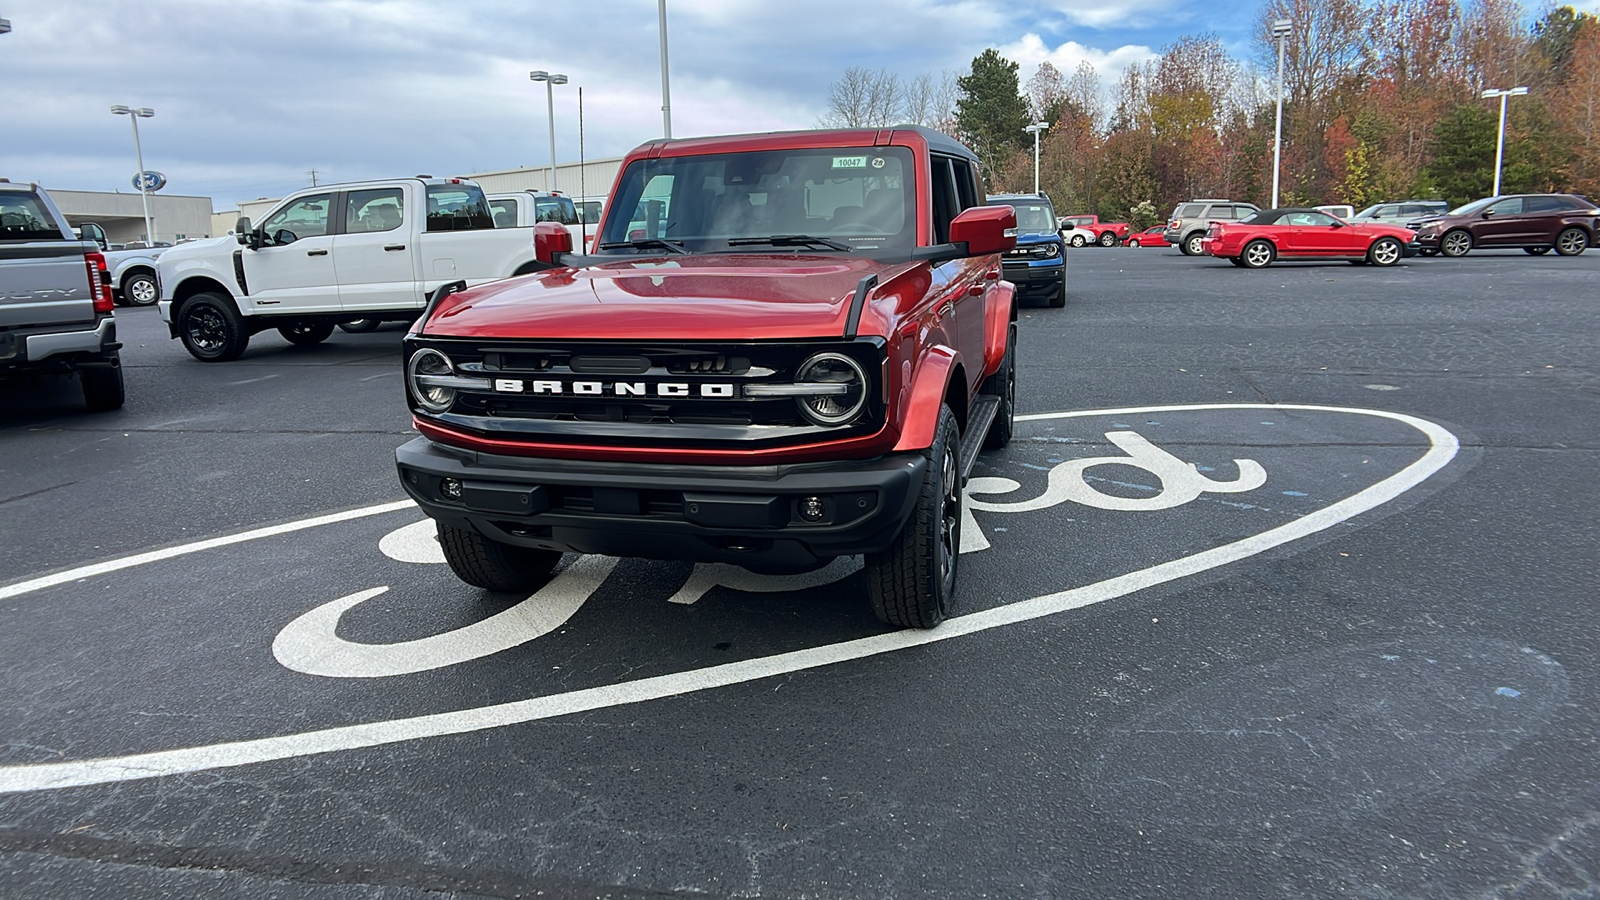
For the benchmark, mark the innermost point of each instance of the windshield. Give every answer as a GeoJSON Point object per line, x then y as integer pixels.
{"type": "Point", "coordinates": [860, 198]}
{"type": "Point", "coordinates": [1033, 216]}
{"type": "Point", "coordinates": [1472, 207]}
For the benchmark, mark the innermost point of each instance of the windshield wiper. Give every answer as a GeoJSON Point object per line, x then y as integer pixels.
{"type": "Point", "coordinates": [790, 240]}
{"type": "Point", "coordinates": [646, 244]}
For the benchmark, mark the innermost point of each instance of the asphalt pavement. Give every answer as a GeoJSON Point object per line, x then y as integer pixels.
{"type": "Point", "coordinates": [1284, 589]}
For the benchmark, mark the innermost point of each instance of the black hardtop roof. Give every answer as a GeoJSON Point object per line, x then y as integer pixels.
{"type": "Point", "coordinates": [938, 141]}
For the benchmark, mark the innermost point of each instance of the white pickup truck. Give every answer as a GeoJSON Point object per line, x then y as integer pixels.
{"type": "Point", "coordinates": [525, 209]}
{"type": "Point", "coordinates": [371, 251]}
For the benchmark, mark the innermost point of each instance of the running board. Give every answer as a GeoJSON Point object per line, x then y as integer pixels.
{"type": "Point", "coordinates": [979, 418]}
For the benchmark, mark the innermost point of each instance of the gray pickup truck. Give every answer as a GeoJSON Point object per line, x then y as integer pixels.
{"type": "Point", "coordinates": [55, 299]}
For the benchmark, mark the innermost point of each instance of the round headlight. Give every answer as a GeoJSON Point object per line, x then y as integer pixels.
{"type": "Point", "coordinates": [424, 363]}
{"type": "Point", "coordinates": [846, 389]}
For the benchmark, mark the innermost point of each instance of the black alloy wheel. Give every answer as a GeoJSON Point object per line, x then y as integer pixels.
{"type": "Point", "coordinates": [1003, 384]}
{"type": "Point", "coordinates": [1572, 241]}
{"type": "Point", "coordinates": [211, 329]}
{"type": "Point", "coordinates": [911, 584]}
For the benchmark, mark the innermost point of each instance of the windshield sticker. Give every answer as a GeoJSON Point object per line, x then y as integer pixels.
{"type": "Point", "coordinates": [849, 162]}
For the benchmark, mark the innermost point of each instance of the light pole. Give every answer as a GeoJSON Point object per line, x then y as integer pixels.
{"type": "Point", "coordinates": [134, 115]}
{"type": "Point", "coordinates": [1280, 30]}
{"type": "Point", "coordinates": [550, 106]}
{"type": "Point", "coordinates": [1500, 142]}
{"type": "Point", "coordinates": [666, 93]}
{"type": "Point", "coordinates": [1035, 128]}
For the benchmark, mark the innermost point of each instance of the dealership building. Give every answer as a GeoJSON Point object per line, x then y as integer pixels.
{"type": "Point", "coordinates": [172, 217]}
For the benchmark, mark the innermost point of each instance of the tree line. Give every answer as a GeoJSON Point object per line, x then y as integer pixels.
{"type": "Point", "coordinates": [1381, 101]}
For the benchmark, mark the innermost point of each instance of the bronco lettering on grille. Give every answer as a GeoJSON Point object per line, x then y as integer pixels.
{"type": "Point", "coordinates": [720, 391]}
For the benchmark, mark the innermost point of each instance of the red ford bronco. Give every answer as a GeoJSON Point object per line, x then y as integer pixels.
{"type": "Point", "coordinates": [780, 349]}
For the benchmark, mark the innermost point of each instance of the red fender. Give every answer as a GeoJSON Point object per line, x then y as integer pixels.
{"type": "Point", "coordinates": [919, 404]}
{"type": "Point", "coordinates": [997, 325]}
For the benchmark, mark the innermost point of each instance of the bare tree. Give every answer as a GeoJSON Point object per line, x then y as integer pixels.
{"type": "Point", "coordinates": [1047, 89]}
{"type": "Point", "coordinates": [864, 99]}
{"type": "Point", "coordinates": [1083, 92]}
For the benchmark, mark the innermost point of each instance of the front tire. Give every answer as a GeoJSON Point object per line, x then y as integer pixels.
{"type": "Point", "coordinates": [1385, 252]}
{"type": "Point", "coordinates": [1134, 242]}
{"type": "Point", "coordinates": [212, 329]}
{"type": "Point", "coordinates": [1258, 254]}
{"type": "Point", "coordinates": [102, 385]}
{"type": "Point", "coordinates": [1078, 240]}
{"type": "Point", "coordinates": [1456, 244]}
{"type": "Point", "coordinates": [494, 566]}
{"type": "Point", "coordinates": [306, 335]}
{"type": "Point", "coordinates": [1536, 251]}
{"type": "Point", "coordinates": [1059, 298]}
{"type": "Point", "coordinates": [1192, 245]}
{"type": "Point", "coordinates": [1572, 241]}
{"type": "Point", "coordinates": [911, 584]}
{"type": "Point", "coordinates": [1003, 384]}
{"type": "Point", "coordinates": [1108, 239]}
{"type": "Point", "coordinates": [140, 290]}
{"type": "Point", "coordinates": [359, 326]}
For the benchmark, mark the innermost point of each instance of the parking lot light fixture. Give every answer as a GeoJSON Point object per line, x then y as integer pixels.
{"type": "Point", "coordinates": [550, 81]}
{"type": "Point", "coordinates": [134, 114]}
{"type": "Point", "coordinates": [1035, 128]}
{"type": "Point", "coordinates": [5, 25]}
{"type": "Point", "coordinates": [1500, 142]}
{"type": "Point", "coordinates": [1280, 31]}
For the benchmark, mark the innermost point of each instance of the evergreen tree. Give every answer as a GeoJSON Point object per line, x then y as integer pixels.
{"type": "Point", "coordinates": [991, 113]}
{"type": "Point", "coordinates": [1463, 157]}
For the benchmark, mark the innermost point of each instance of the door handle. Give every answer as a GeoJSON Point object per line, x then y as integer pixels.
{"type": "Point", "coordinates": [394, 246]}
{"type": "Point", "coordinates": [316, 253]}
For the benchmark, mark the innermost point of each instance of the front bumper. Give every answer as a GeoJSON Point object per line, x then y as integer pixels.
{"type": "Point", "coordinates": [1035, 281]}
{"type": "Point", "coordinates": [744, 515]}
{"type": "Point", "coordinates": [55, 349]}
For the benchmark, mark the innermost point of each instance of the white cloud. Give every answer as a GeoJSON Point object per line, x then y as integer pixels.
{"type": "Point", "coordinates": [1030, 51]}
{"type": "Point", "coordinates": [1112, 13]}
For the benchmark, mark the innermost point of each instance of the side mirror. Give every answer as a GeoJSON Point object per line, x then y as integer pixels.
{"type": "Point", "coordinates": [550, 240]}
{"type": "Point", "coordinates": [284, 236]}
{"type": "Point", "coordinates": [241, 230]}
{"type": "Point", "coordinates": [985, 229]}
{"type": "Point", "coordinates": [89, 231]}
{"type": "Point", "coordinates": [1487, 213]}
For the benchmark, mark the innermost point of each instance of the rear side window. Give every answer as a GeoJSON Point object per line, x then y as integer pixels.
{"type": "Point", "coordinates": [1190, 210]}
{"type": "Point", "coordinates": [504, 213]}
{"type": "Point", "coordinates": [589, 211]}
{"type": "Point", "coordinates": [555, 209]}
{"type": "Point", "coordinates": [458, 207]}
{"type": "Point", "coordinates": [24, 218]}
{"type": "Point", "coordinates": [1545, 204]}
{"type": "Point", "coordinates": [376, 210]}
{"type": "Point", "coordinates": [1221, 212]}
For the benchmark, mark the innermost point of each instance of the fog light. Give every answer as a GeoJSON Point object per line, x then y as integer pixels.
{"type": "Point", "coordinates": [811, 509]}
{"type": "Point", "coordinates": [450, 488]}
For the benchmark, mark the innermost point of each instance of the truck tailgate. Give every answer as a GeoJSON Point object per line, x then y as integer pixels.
{"type": "Point", "coordinates": [44, 283]}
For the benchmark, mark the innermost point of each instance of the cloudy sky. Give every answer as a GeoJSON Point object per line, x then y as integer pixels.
{"type": "Point", "coordinates": [250, 97]}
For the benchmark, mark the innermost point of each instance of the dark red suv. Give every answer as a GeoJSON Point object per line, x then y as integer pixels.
{"type": "Point", "coordinates": [1534, 222]}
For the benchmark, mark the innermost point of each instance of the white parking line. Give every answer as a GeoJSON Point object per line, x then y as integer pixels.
{"type": "Point", "coordinates": [1442, 448]}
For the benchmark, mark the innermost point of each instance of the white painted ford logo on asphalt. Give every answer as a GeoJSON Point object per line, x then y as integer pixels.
{"type": "Point", "coordinates": [1249, 478]}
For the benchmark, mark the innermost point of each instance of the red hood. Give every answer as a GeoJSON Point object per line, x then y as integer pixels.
{"type": "Point", "coordinates": [727, 297]}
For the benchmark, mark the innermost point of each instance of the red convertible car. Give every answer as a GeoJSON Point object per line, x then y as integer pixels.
{"type": "Point", "coordinates": [1291, 234]}
{"type": "Point", "coordinates": [1150, 237]}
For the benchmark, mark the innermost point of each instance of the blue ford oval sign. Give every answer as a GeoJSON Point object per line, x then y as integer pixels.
{"type": "Point", "coordinates": [149, 181]}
